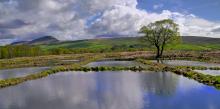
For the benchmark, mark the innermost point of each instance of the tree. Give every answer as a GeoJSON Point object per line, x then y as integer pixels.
{"type": "Point", "coordinates": [10, 51]}
{"type": "Point", "coordinates": [161, 33]}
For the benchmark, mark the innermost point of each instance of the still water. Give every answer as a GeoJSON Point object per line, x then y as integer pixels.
{"type": "Point", "coordinates": [113, 63]}
{"type": "Point", "coordinates": [18, 72]}
{"type": "Point", "coordinates": [110, 90]}
{"type": "Point", "coordinates": [188, 63]}
{"type": "Point", "coordinates": [210, 72]}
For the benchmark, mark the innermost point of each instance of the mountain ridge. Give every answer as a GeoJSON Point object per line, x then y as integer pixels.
{"type": "Point", "coordinates": [38, 41]}
{"type": "Point", "coordinates": [45, 40]}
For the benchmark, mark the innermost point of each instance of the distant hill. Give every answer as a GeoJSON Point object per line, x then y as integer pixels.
{"type": "Point", "coordinates": [44, 40]}
{"type": "Point", "coordinates": [131, 42]}
{"type": "Point", "coordinates": [98, 43]}
{"type": "Point", "coordinates": [200, 40]}
{"type": "Point", "coordinates": [19, 43]}
{"type": "Point", "coordinates": [39, 41]}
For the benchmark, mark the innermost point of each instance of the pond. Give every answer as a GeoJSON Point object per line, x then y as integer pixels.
{"type": "Point", "coordinates": [210, 72]}
{"type": "Point", "coordinates": [18, 72]}
{"type": "Point", "coordinates": [72, 61]}
{"type": "Point", "coordinates": [112, 63]}
{"type": "Point", "coordinates": [188, 63]}
{"type": "Point", "coordinates": [110, 90]}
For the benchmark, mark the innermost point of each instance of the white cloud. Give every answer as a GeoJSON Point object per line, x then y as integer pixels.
{"type": "Point", "coordinates": [68, 19]}
{"type": "Point", "coordinates": [157, 6]}
{"type": "Point", "coordinates": [5, 41]}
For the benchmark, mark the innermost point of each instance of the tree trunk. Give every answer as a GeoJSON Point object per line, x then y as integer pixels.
{"type": "Point", "coordinates": [161, 52]}
{"type": "Point", "coordinates": [158, 53]}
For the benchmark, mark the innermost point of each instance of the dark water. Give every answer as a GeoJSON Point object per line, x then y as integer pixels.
{"type": "Point", "coordinates": [114, 63]}
{"type": "Point", "coordinates": [110, 90]}
{"type": "Point", "coordinates": [210, 72]}
{"type": "Point", "coordinates": [18, 72]}
{"type": "Point", "coordinates": [188, 63]}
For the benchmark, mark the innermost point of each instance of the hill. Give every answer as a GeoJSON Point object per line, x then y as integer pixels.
{"type": "Point", "coordinates": [200, 40]}
{"type": "Point", "coordinates": [102, 43]}
{"type": "Point", "coordinates": [20, 43]}
{"type": "Point", "coordinates": [44, 40]}
{"type": "Point", "coordinates": [127, 43]}
{"type": "Point", "coordinates": [39, 41]}
{"type": "Point", "coordinates": [122, 43]}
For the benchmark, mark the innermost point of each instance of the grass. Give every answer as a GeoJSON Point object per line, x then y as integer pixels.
{"type": "Point", "coordinates": [98, 44]}
{"type": "Point", "coordinates": [194, 47]}
{"type": "Point", "coordinates": [180, 70]}
{"type": "Point", "coordinates": [202, 78]}
{"type": "Point", "coordinates": [50, 60]}
{"type": "Point", "coordinates": [56, 60]}
{"type": "Point", "coordinates": [188, 47]}
{"type": "Point", "coordinates": [198, 68]}
{"type": "Point", "coordinates": [128, 43]}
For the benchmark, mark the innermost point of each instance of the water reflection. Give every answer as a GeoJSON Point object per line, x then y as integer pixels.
{"type": "Point", "coordinates": [187, 63]}
{"type": "Point", "coordinates": [162, 84]}
{"type": "Point", "coordinates": [78, 91]}
{"type": "Point", "coordinates": [210, 72]}
{"type": "Point", "coordinates": [18, 72]}
{"type": "Point", "coordinates": [114, 63]}
{"type": "Point", "coordinates": [110, 90]}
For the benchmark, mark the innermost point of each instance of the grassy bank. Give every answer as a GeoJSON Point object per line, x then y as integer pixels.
{"type": "Point", "coordinates": [105, 45]}
{"type": "Point", "coordinates": [56, 60]}
{"type": "Point", "coordinates": [197, 68]}
{"type": "Point", "coordinates": [50, 60]}
{"type": "Point", "coordinates": [187, 72]}
{"type": "Point", "coordinates": [202, 78]}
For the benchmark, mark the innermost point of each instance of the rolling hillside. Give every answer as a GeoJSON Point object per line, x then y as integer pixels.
{"type": "Point", "coordinates": [39, 41]}
{"type": "Point", "coordinates": [200, 40]}
{"type": "Point", "coordinates": [99, 43]}
{"type": "Point", "coordinates": [189, 43]}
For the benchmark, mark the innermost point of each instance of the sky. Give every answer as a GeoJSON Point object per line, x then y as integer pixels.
{"type": "Point", "coordinates": [87, 19]}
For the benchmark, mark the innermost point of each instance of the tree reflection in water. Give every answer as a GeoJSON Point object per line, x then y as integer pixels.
{"type": "Point", "coordinates": [160, 83]}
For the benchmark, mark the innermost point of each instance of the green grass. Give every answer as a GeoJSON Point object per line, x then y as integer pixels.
{"type": "Point", "coordinates": [127, 43]}
{"type": "Point", "coordinates": [194, 47]}
{"type": "Point", "coordinates": [105, 46]}
{"type": "Point", "coordinates": [50, 60]}
{"type": "Point", "coordinates": [98, 44]}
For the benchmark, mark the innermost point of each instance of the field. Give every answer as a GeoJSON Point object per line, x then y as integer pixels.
{"type": "Point", "coordinates": [69, 67]}
{"type": "Point", "coordinates": [131, 43]}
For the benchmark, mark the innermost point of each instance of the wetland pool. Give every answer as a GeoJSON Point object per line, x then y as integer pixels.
{"type": "Point", "coordinates": [111, 90]}
{"type": "Point", "coordinates": [18, 72]}
{"type": "Point", "coordinates": [187, 63]}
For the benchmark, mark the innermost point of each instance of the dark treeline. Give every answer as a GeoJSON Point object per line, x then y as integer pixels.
{"type": "Point", "coordinates": [19, 51]}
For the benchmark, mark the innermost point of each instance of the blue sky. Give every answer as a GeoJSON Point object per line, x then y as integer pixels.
{"type": "Point", "coordinates": [87, 19]}
{"type": "Point", "coordinates": [208, 9]}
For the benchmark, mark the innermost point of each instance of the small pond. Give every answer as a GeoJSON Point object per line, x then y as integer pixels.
{"type": "Point", "coordinates": [210, 72]}
{"type": "Point", "coordinates": [110, 90]}
{"type": "Point", "coordinates": [18, 72]}
{"type": "Point", "coordinates": [188, 63]}
{"type": "Point", "coordinates": [112, 63]}
{"type": "Point", "coordinates": [73, 61]}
